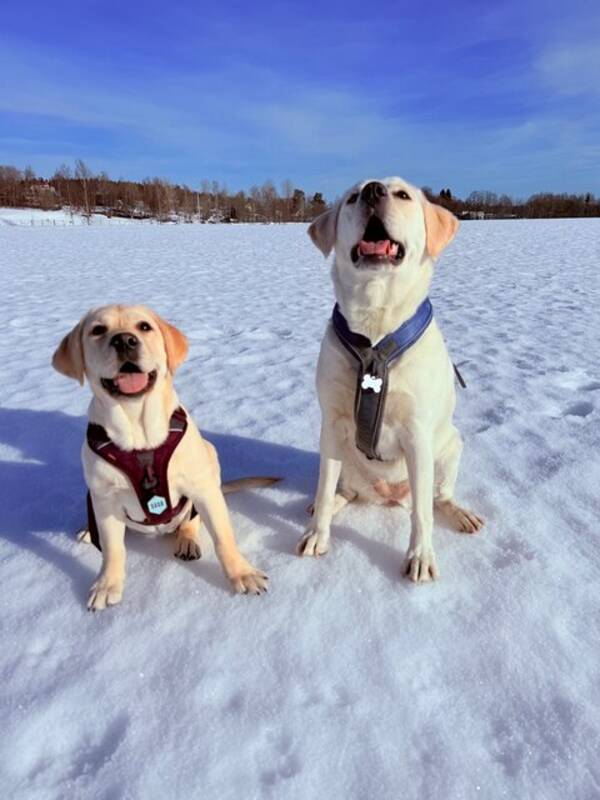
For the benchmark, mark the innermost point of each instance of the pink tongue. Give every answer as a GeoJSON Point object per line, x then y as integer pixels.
{"type": "Point", "coordinates": [131, 382]}
{"type": "Point", "coordinates": [383, 248]}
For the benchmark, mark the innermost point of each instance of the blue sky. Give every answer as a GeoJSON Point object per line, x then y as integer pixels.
{"type": "Point", "coordinates": [500, 95]}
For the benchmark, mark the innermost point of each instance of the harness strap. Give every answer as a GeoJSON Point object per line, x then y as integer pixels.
{"type": "Point", "coordinates": [374, 362]}
{"type": "Point", "coordinates": [147, 471]}
{"type": "Point", "coordinates": [92, 524]}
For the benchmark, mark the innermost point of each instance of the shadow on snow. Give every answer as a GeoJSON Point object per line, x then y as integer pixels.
{"type": "Point", "coordinates": [44, 489]}
{"type": "Point", "coordinates": [45, 496]}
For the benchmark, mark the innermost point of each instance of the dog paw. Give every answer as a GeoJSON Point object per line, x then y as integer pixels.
{"type": "Point", "coordinates": [461, 519]}
{"type": "Point", "coordinates": [420, 565]}
{"type": "Point", "coordinates": [246, 579]}
{"type": "Point", "coordinates": [187, 549]}
{"type": "Point", "coordinates": [313, 543]}
{"type": "Point", "coordinates": [106, 591]}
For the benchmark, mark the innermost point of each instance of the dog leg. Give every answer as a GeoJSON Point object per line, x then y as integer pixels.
{"type": "Point", "coordinates": [187, 545]}
{"type": "Point", "coordinates": [339, 501]}
{"type": "Point", "coordinates": [210, 504]}
{"type": "Point", "coordinates": [107, 590]}
{"type": "Point", "coordinates": [446, 468]}
{"type": "Point", "coordinates": [315, 540]}
{"type": "Point", "coordinates": [420, 564]}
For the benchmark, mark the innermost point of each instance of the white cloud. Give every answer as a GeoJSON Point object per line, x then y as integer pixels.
{"type": "Point", "coordinates": [571, 69]}
{"type": "Point", "coordinates": [250, 124]}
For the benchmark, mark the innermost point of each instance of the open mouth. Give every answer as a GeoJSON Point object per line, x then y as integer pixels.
{"type": "Point", "coordinates": [129, 381]}
{"type": "Point", "coordinates": [376, 246]}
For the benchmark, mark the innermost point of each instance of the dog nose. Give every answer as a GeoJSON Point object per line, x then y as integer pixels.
{"type": "Point", "coordinates": [373, 192]}
{"type": "Point", "coordinates": [124, 342]}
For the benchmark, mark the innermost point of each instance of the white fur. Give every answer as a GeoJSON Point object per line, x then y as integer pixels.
{"type": "Point", "coordinates": [418, 441]}
{"type": "Point", "coordinates": [143, 423]}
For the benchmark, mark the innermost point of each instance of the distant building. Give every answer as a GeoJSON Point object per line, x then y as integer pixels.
{"type": "Point", "coordinates": [472, 215]}
{"type": "Point", "coordinates": [42, 195]}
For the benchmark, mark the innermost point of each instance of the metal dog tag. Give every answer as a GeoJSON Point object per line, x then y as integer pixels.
{"type": "Point", "coordinates": [157, 504]}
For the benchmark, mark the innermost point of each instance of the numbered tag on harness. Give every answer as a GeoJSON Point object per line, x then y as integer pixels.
{"type": "Point", "coordinates": [157, 504]}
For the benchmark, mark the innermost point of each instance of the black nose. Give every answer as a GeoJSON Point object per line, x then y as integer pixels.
{"type": "Point", "coordinates": [124, 342]}
{"type": "Point", "coordinates": [373, 192]}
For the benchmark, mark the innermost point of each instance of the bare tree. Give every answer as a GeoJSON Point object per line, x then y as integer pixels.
{"type": "Point", "coordinates": [61, 180]}
{"type": "Point", "coordinates": [268, 195]}
{"type": "Point", "coordinates": [287, 192]}
{"type": "Point", "coordinates": [11, 189]}
{"type": "Point", "coordinates": [83, 174]}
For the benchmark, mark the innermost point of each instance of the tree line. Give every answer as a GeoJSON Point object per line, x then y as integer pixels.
{"type": "Point", "coordinates": [489, 205]}
{"type": "Point", "coordinates": [83, 192]}
{"type": "Point", "coordinates": [155, 198]}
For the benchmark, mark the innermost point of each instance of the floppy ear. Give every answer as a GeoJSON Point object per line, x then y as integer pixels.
{"type": "Point", "coordinates": [176, 344]}
{"type": "Point", "coordinates": [441, 226]}
{"type": "Point", "coordinates": [322, 230]}
{"type": "Point", "coordinates": [68, 358]}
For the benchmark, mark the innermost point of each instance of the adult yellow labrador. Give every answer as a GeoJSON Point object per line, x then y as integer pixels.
{"type": "Point", "coordinates": [128, 355]}
{"type": "Point", "coordinates": [389, 437]}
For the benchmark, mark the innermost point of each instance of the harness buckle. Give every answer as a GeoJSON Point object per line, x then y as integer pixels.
{"type": "Point", "coordinates": [150, 480]}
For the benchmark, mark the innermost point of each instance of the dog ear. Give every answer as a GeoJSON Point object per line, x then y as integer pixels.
{"type": "Point", "coordinates": [441, 226]}
{"type": "Point", "coordinates": [68, 358]}
{"type": "Point", "coordinates": [176, 344]}
{"type": "Point", "coordinates": [322, 230]}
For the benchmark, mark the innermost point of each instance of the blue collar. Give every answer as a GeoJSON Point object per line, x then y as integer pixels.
{"type": "Point", "coordinates": [394, 344]}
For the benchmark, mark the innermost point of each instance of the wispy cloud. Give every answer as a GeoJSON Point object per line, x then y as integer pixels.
{"type": "Point", "coordinates": [572, 69]}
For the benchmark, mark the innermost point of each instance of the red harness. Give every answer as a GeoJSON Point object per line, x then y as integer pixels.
{"type": "Point", "coordinates": [146, 471]}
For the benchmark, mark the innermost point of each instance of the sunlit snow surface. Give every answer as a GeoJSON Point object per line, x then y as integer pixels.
{"type": "Point", "coordinates": [345, 681]}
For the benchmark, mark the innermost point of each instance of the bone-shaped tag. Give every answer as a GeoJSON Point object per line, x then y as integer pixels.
{"type": "Point", "coordinates": [369, 382]}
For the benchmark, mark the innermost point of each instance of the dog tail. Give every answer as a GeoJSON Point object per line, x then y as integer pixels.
{"type": "Point", "coordinates": [247, 483]}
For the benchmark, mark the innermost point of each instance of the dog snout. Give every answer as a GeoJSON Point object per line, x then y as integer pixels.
{"type": "Point", "coordinates": [373, 192]}
{"type": "Point", "coordinates": [126, 344]}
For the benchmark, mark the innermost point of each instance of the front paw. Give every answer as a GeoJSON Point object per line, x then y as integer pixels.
{"type": "Point", "coordinates": [106, 591]}
{"type": "Point", "coordinates": [420, 565]}
{"type": "Point", "coordinates": [187, 549]}
{"type": "Point", "coordinates": [314, 542]}
{"type": "Point", "coordinates": [245, 578]}
{"type": "Point", "coordinates": [461, 519]}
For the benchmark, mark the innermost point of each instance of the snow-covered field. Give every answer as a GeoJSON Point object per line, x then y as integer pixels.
{"type": "Point", "coordinates": [36, 217]}
{"type": "Point", "coordinates": [345, 681]}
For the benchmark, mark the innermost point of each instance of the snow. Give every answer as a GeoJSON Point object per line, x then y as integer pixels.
{"type": "Point", "coordinates": [59, 217]}
{"type": "Point", "coordinates": [345, 681]}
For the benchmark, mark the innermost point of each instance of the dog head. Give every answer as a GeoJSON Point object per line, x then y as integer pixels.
{"type": "Point", "coordinates": [383, 227]}
{"type": "Point", "coordinates": [124, 351]}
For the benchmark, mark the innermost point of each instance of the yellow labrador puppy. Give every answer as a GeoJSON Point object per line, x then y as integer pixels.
{"type": "Point", "coordinates": [384, 378]}
{"type": "Point", "coordinates": [146, 464]}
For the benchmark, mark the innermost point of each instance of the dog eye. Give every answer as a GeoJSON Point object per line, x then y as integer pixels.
{"type": "Point", "coordinates": [353, 198]}
{"type": "Point", "coordinates": [99, 330]}
{"type": "Point", "coordinates": [144, 326]}
{"type": "Point", "coordinates": [402, 195]}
